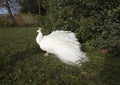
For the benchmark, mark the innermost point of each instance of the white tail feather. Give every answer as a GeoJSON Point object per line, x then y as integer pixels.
{"type": "Point", "coordinates": [65, 45]}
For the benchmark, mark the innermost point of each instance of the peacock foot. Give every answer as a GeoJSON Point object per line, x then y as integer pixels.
{"type": "Point", "coordinates": [46, 54]}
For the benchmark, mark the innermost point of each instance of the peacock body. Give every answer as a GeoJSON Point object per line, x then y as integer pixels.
{"type": "Point", "coordinates": [64, 45]}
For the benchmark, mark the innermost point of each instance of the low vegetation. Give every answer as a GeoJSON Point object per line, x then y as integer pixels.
{"type": "Point", "coordinates": [22, 63]}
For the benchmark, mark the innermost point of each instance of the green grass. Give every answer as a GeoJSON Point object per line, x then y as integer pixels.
{"type": "Point", "coordinates": [22, 63]}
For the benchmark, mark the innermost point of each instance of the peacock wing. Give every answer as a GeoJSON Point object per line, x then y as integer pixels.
{"type": "Point", "coordinates": [66, 47]}
{"type": "Point", "coordinates": [66, 36]}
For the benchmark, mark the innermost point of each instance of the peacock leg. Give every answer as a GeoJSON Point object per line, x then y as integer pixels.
{"type": "Point", "coordinates": [46, 54]}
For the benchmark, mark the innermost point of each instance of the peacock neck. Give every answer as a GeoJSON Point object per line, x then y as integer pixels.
{"type": "Point", "coordinates": [39, 37]}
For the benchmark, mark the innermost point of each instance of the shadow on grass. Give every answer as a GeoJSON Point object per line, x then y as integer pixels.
{"type": "Point", "coordinates": [19, 56]}
{"type": "Point", "coordinates": [111, 71]}
{"type": "Point", "coordinates": [8, 67]}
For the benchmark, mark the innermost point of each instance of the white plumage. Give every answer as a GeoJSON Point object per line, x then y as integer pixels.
{"type": "Point", "coordinates": [64, 45]}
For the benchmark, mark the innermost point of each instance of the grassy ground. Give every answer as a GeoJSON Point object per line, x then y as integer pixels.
{"type": "Point", "coordinates": [23, 63]}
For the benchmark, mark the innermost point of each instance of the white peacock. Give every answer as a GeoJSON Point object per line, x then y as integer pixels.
{"type": "Point", "coordinates": [64, 45]}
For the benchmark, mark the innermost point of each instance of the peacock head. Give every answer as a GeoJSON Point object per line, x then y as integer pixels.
{"type": "Point", "coordinates": [39, 30]}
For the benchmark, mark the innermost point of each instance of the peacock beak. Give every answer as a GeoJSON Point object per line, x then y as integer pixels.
{"type": "Point", "coordinates": [37, 31]}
